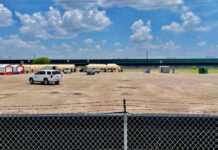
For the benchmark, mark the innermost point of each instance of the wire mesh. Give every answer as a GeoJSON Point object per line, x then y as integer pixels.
{"type": "Point", "coordinates": [61, 132]}
{"type": "Point", "coordinates": [172, 132]}
{"type": "Point", "coordinates": [106, 132]}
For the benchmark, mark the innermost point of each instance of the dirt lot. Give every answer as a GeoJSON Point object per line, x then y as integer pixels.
{"type": "Point", "coordinates": [104, 92]}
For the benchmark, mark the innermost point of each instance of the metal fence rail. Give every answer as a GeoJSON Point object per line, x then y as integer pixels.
{"type": "Point", "coordinates": [108, 132]}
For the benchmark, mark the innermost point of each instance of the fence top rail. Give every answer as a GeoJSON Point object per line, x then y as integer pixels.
{"type": "Point", "coordinates": [118, 114]}
{"type": "Point", "coordinates": [176, 115]}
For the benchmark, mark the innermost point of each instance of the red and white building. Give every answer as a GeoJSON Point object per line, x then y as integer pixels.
{"type": "Point", "coordinates": [6, 69]}
{"type": "Point", "coordinates": [18, 68]}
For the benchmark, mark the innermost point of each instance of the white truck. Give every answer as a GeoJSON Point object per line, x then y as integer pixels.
{"type": "Point", "coordinates": [67, 70]}
{"type": "Point", "coordinates": [46, 77]}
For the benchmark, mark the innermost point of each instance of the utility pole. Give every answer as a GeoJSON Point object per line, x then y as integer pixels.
{"type": "Point", "coordinates": [34, 56]}
{"type": "Point", "coordinates": [147, 56]}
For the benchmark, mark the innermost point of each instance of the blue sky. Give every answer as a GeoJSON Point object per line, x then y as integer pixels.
{"type": "Point", "coordinates": [108, 29]}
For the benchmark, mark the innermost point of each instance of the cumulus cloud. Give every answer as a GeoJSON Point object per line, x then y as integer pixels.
{"type": "Point", "coordinates": [190, 20]}
{"type": "Point", "coordinates": [17, 42]}
{"type": "Point", "coordinates": [88, 41]}
{"type": "Point", "coordinates": [141, 32]}
{"type": "Point", "coordinates": [138, 4]}
{"type": "Point", "coordinates": [15, 47]}
{"type": "Point", "coordinates": [54, 24]}
{"type": "Point", "coordinates": [5, 16]}
{"type": "Point", "coordinates": [85, 20]}
{"type": "Point", "coordinates": [168, 49]}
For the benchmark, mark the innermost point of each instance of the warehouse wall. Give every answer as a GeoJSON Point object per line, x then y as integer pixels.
{"type": "Point", "coordinates": [126, 62]}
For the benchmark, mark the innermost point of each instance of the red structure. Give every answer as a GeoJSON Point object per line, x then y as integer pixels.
{"type": "Point", "coordinates": [18, 69]}
{"type": "Point", "coordinates": [6, 69]}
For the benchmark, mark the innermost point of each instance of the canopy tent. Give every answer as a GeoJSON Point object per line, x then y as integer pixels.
{"type": "Point", "coordinates": [18, 69]}
{"type": "Point", "coordinates": [102, 67]}
{"type": "Point", "coordinates": [36, 68]}
{"type": "Point", "coordinates": [105, 68]}
{"type": "Point", "coordinates": [71, 66]}
{"type": "Point", "coordinates": [33, 68]}
{"type": "Point", "coordinates": [6, 69]}
{"type": "Point", "coordinates": [113, 68]}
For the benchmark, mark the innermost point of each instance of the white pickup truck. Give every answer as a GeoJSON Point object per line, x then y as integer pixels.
{"type": "Point", "coordinates": [46, 77]}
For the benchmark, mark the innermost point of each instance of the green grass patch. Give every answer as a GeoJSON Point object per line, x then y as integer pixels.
{"type": "Point", "coordinates": [212, 70]}
{"type": "Point", "coordinates": [133, 70]}
{"type": "Point", "coordinates": [188, 70]}
{"type": "Point", "coordinates": [139, 70]}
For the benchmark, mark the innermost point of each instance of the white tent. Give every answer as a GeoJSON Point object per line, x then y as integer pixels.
{"type": "Point", "coordinates": [6, 69]}
{"type": "Point", "coordinates": [18, 68]}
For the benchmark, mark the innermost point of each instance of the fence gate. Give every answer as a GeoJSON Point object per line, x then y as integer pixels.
{"type": "Point", "coordinates": [108, 132]}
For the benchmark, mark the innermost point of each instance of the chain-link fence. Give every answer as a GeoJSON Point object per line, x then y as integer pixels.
{"type": "Point", "coordinates": [118, 131]}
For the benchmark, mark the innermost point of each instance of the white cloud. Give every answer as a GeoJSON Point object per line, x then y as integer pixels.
{"type": "Point", "coordinates": [88, 41]}
{"type": "Point", "coordinates": [168, 49]}
{"type": "Point", "coordinates": [190, 21]}
{"type": "Point", "coordinates": [117, 44]}
{"type": "Point", "coordinates": [203, 43]}
{"type": "Point", "coordinates": [18, 48]}
{"type": "Point", "coordinates": [15, 47]}
{"type": "Point", "coordinates": [85, 20]}
{"type": "Point", "coordinates": [54, 25]}
{"type": "Point", "coordinates": [141, 32]}
{"type": "Point", "coordinates": [17, 42]}
{"type": "Point", "coordinates": [5, 16]}
{"type": "Point", "coordinates": [138, 4]}
{"type": "Point", "coordinates": [35, 25]}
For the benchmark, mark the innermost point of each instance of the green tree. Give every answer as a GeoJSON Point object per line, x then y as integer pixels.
{"type": "Point", "coordinates": [41, 60]}
{"type": "Point", "coordinates": [194, 67]}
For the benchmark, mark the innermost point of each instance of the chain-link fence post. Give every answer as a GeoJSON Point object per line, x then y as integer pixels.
{"type": "Point", "coordinates": [125, 126]}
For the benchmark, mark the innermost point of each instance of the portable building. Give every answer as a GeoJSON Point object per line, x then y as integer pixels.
{"type": "Point", "coordinates": [18, 69]}
{"type": "Point", "coordinates": [6, 69]}
{"type": "Point", "coordinates": [164, 69]}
